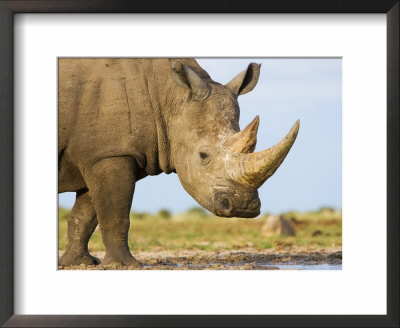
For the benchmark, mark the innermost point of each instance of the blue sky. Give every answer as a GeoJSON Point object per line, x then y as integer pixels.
{"type": "Point", "coordinates": [288, 89]}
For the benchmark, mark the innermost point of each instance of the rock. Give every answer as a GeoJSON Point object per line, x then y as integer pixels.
{"type": "Point", "coordinates": [278, 225]}
{"type": "Point", "coordinates": [317, 233]}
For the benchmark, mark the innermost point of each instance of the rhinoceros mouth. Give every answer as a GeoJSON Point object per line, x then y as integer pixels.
{"type": "Point", "coordinates": [244, 205]}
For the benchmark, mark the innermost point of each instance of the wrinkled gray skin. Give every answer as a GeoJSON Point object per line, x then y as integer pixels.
{"type": "Point", "coordinates": [123, 119]}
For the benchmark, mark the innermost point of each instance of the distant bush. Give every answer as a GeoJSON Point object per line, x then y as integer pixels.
{"type": "Point", "coordinates": [197, 210]}
{"type": "Point", "coordinates": [265, 215]}
{"type": "Point", "coordinates": [165, 214]}
{"type": "Point", "coordinates": [63, 213]}
{"type": "Point", "coordinates": [325, 209]}
{"type": "Point", "coordinates": [138, 215]}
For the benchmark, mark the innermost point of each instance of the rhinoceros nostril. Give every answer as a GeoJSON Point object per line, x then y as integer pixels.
{"type": "Point", "coordinates": [225, 204]}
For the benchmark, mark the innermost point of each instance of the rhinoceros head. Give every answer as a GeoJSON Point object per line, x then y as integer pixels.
{"type": "Point", "coordinates": [214, 160]}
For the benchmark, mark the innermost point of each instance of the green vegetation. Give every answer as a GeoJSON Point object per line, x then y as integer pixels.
{"type": "Point", "coordinates": [198, 230]}
{"type": "Point", "coordinates": [197, 211]}
{"type": "Point", "coordinates": [163, 213]}
{"type": "Point", "coordinates": [62, 227]}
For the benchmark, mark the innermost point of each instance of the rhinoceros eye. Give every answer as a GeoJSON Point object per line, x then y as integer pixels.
{"type": "Point", "coordinates": [203, 155]}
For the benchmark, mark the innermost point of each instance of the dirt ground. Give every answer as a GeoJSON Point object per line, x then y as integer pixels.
{"type": "Point", "coordinates": [245, 259]}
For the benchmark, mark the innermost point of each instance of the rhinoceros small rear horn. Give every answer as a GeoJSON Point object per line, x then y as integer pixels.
{"type": "Point", "coordinates": [244, 141]}
{"type": "Point", "coordinates": [255, 168]}
{"type": "Point", "coordinates": [186, 77]}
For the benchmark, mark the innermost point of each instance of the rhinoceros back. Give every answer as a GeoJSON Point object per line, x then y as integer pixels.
{"type": "Point", "coordinates": [103, 108]}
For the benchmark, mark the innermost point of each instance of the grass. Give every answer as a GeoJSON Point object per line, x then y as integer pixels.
{"type": "Point", "coordinates": [198, 230]}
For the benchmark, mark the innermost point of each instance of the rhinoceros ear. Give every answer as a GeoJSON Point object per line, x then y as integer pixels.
{"type": "Point", "coordinates": [186, 77]}
{"type": "Point", "coordinates": [245, 81]}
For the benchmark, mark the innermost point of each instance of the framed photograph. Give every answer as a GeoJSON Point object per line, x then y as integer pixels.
{"type": "Point", "coordinates": [333, 66]}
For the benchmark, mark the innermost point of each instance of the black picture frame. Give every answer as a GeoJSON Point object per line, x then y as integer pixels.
{"type": "Point", "coordinates": [7, 11]}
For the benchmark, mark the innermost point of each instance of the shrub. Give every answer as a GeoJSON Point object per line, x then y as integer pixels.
{"type": "Point", "coordinates": [63, 213]}
{"type": "Point", "coordinates": [325, 209]}
{"type": "Point", "coordinates": [163, 213]}
{"type": "Point", "coordinates": [197, 210]}
{"type": "Point", "coordinates": [138, 215]}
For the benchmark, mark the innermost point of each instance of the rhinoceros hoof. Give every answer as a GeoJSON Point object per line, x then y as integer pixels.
{"type": "Point", "coordinates": [127, 260]}
{"type": "Point", "coordinates": [73, 258]}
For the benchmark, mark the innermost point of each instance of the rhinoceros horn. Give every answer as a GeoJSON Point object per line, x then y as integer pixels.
{"type": "Point", "coordinates": [245, 140]}
{"type": "Point", "coordinates": [253, 169]}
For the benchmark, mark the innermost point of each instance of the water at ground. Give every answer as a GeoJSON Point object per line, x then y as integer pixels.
{"type": "Point", "coordinates": [323, 266]}
{"type": "Point", "coordinates": [294, 258]}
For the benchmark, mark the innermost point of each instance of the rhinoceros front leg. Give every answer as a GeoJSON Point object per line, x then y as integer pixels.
{"type": "Point", "coordinates": [111, 184]}
{"type": "Point", "coordinates": [81, 224]}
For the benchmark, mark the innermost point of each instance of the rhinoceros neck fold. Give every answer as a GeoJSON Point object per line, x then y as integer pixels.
{"type": "Point", "coordinates": [163, 145]}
